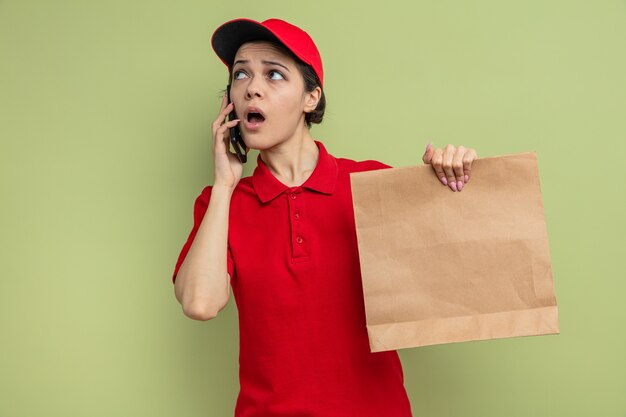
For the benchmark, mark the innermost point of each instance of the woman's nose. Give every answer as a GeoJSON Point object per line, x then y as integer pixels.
{"type": "Point", "coordinates": [253, 89]}
{"type": "Point", "coordinates": [252, 92]}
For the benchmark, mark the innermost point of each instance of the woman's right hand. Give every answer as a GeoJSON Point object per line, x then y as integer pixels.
{"type": "Point", "coordinates": [228, 168]}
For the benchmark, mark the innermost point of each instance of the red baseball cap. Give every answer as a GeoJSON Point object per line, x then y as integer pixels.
{"type": "Point", "coordinates": [227, 39]}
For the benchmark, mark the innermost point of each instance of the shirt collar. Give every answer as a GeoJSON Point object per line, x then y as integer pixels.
{"type": "Point", "coordinates": [322, 179]}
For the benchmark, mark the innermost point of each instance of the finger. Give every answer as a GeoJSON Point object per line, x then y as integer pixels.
{"type": "Point", "coordinates": [227, 138]}
{"type": "Point", "coordinates": [229, 107]}
{"type": "Point", "coordinates": [468, 158]}
{"type": "Point", "coordinates": [224, 102]}
{"type": "Point", "coordinates": [457, 166]}
{"type": "Point", "coordinates": [226, 126]}
{"type": "Point", "coordinates": [436, 163]}
{"type": "Point", "coordinates": [228, 145]}
{"type": "Point", "coordinates": [428, 154]}
{"type": "Point", "coordinates": [224, 129]}
{"type": "Point", "coordinates": [448, 154]}
{"type": "Point", "coordinates": [222, 116]}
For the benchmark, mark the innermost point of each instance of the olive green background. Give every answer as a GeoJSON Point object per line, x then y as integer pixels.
{"type": "Point", "coordinates": [106, 112]}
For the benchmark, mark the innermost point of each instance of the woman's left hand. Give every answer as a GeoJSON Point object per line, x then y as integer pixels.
{"type": "Point", "coordinates": [451, 164]}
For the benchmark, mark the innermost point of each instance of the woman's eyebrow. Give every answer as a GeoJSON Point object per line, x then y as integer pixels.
{"type": "Point", "coordinates": [245, 61]}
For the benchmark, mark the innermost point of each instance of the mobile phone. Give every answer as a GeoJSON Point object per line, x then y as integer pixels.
{"type": "Point", "coordinates": [235, 134]}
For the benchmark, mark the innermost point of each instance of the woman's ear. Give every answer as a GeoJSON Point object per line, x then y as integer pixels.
{"type": "Point", "coordinates": [311, 99]}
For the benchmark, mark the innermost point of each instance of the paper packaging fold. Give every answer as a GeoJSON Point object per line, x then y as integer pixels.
{"type": "Point", "coordinates": [439, 266]}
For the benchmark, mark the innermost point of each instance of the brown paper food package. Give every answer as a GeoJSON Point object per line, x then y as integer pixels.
{"type": "Point", "coordinates": [439, 266]}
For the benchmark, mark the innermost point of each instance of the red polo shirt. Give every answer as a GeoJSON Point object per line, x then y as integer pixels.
{"type": "Point", "coordinates": [295, 276]}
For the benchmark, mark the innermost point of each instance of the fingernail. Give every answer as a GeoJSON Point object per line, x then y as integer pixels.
{"type": "Point", "coordinates": [466, 178]}
{"type": "Point", "coordinates": [444, 180]}
{"type": "Point", "coordinates": [453, 185]}
{"type": "Point", "coordinates": [459, 185]}
{"type": "Point", "coordinates": [429, 146]}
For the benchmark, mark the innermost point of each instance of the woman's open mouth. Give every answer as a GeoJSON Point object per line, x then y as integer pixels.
{"type": "Point", "coordinates": [254, 120]}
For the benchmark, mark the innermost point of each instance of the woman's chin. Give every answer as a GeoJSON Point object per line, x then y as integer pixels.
{"type": "Point", "coordinates": [255, 142]}
{"type": "Point", "coordinates": [261, 141]}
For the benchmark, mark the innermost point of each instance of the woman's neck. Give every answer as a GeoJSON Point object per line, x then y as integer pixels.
{"type": "Point", "coordinates": [292, 162]}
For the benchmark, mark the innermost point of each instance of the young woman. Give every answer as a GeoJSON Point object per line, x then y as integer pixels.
{"type": "Point", "coordinates": [284, 239]}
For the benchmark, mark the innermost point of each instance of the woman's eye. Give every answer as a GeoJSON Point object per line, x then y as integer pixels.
{"type": "Point", "coordinates": [235, 74]}
{"type": "Point", "coordinates": [276, 72]}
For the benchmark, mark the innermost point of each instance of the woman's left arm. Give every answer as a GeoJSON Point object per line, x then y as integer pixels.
{"type": "Point", "coordinates": [451, 164]}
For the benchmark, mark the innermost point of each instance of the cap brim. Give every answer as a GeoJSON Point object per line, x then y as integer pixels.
{"type": "Point", "coordinates": [227, 38]}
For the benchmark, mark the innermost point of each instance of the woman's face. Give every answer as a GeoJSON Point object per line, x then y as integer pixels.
{"type": "Point", "coordinates": [268, 81]}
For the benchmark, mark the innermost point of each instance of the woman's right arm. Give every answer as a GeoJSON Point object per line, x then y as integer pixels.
{"type": "Point", "coordinates": [202, 283]}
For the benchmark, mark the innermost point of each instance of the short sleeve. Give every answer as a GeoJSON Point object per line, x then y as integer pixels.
{"type": "Point", "coordinates": [199, 209]}
{"type": "Point", "coordinates": [379, 165]}
{"type": "Point", "coordinates": [371, 165]}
